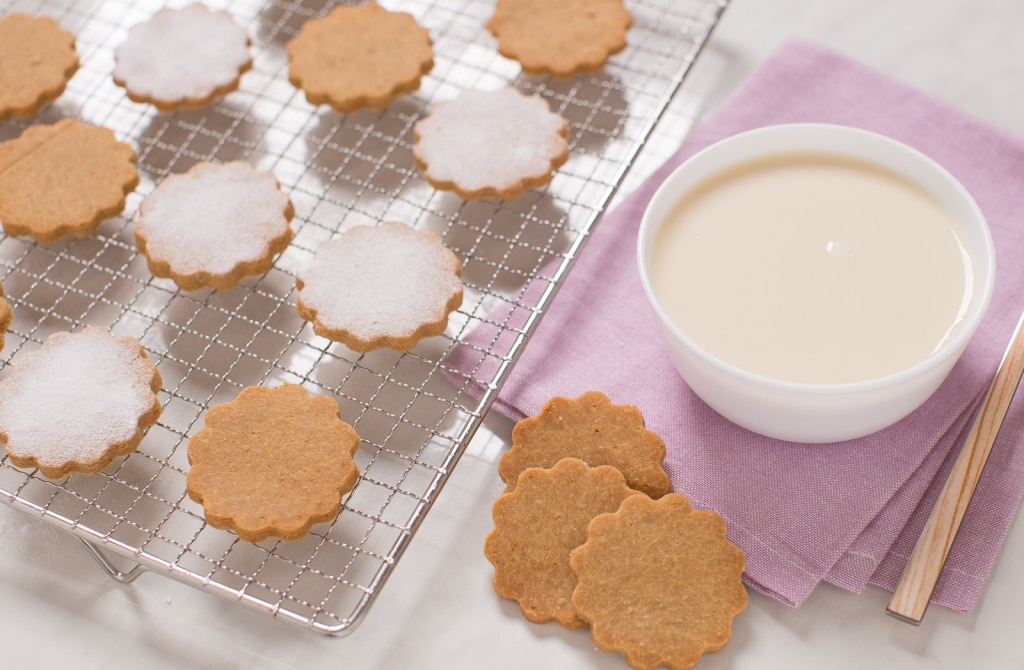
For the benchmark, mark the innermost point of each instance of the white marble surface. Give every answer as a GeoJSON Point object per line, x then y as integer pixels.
{"type": "Point", "coordinates": [58, 609]}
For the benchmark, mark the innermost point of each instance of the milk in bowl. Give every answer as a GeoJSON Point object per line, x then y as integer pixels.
{"type": "Point", "coordinates": [813, 282]}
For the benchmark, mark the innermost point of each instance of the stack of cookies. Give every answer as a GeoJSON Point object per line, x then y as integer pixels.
{"type": "Point", "coordinates": [587, 533]}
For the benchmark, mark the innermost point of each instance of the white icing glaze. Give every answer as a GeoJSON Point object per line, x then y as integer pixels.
{"type": "Point", "coordinates": [182, 54]}
{"type": "Point", "coordinates": [213, 218]}
{"type": "Point", "coordinates": [380, 281]}
{"type": "Point", "coordinates": [492, 139]}
{"type": "Point", "coordinates": [74, 397]}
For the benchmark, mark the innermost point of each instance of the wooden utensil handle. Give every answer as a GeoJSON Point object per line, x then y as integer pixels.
{"type": "Point", "coordinates": [910, 599]}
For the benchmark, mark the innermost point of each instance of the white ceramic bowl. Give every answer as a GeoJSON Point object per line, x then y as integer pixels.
{"type": "Point", "coordinates": [818, 412]}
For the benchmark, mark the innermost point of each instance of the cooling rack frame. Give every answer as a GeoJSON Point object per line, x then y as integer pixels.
{"type": "Point", "coordinates": [415, 413]}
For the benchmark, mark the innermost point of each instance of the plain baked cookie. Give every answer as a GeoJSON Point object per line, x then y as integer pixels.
{"type": "Point", "coordinates": [597, 432]}
{"type": "Point", "coordinates": [182, 58]}
{"type": "Point", "coordinates": [490, 144]}
{"type": "Point", "coordinates": [538, 524]}
{"type": "Point", "coordinates": [78, 402]}
{"type": "Point", "coordinates": [272, 463]}
{"type": "Point", "coordinates": [658, 582]}
{"type": "Point", "coordinates": [214, 225]}
{"type": "Point", "coordinates": [37, 58]}
{"type": "Point", "coordinates": [359, 57]}
{"type": "Point", "coordinates": [560, 37]}
{"type": "Point", "coordinates": [380, 286]}
{"type": "Point", "coordinates": [63, 179]}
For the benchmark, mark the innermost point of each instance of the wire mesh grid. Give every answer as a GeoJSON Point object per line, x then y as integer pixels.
{"type": "Point", "coordinates": [413, 412]}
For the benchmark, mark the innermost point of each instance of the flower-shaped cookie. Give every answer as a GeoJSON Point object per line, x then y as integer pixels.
{"type": "Point", "coordinates": [182, 58]}
{"type": "Point", "coordinates": [380, 286]}
{"type": "Point", "coordinates": [37, 57]}
{"type": "Point", "coordinates": [214, 225]}
{"type": "Point", "coordinates": [359, 57]}
{"type": "Point", "coordinates": [272, 463]}
{"type": "Point", "coordinates": [486, 144]}
{"type": "Point", "coordinates": [595, 431]}
{"type": "Point", "coordinates": [658, 582]}
{"type": "Point", "coordinates": [63, 179]}
{"type": "Point", "coordinates": [78, 402]}
{"type": "Point", "coordinates": [560, 37]}
{"type": "Point", "coordinates": [537, 524]}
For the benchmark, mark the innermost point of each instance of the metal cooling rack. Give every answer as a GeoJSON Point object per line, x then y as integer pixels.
{"type": "Point", "coordinates": [414, 414]}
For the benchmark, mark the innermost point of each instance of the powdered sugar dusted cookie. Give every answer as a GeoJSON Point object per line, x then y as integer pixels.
{"type": "Point", "coordinates": [359, 57]}
{"type": "Point", "coordinates": [214, 225]}
{"type": "Point", "coordinates": [37, 57]}
{"type": "Point", "coordinates": [491, 143]}
{"type": "Point", "coordinates": [63, 179]}
{"type": "Point", "coordinates": [272, 463]}
{"type": "Point", "coordinates": [182, 58]}
{"type": "Point", "coordinates": [380, 286]}
{"type": "Point", "coordinates": [560, 37]}
{"type": "Point", "coordinates": [78, 402]}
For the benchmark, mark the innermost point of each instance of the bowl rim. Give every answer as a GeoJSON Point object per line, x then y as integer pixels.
{"type": "Point", "coordinates": [978, 304]}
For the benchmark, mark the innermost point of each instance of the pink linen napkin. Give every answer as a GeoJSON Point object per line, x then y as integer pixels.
{"type": "Point", "coordinates": [848, 513]}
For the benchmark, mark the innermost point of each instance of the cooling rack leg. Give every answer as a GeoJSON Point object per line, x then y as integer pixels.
{"type": "Point", "coordinates": [111, 569]}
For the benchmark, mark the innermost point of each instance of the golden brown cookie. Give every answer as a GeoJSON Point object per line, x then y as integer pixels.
{"type": "Point", "coordinates": [560, 37]}
{"type": "Point", "coordinates": [659, 582]}
{"type": "Point", "coordinates": [182, 58]}
{"type": "Point", "coordinates": [272, 463]}
{"type": "Point", "coordinates": [6, 316]}
{"type": "Point", "coordinates": [380, 286]}
{"type": "Point", "coordinates": [359, 57]}
{"type": "Point", "coordinates": [214, 225]}
{"type": "Point", "coordinates": [37, 58]}
{"type": "Point", "coordinates": [490, 144]}
{"type": "Point", "coordinates": [597, 432]}
{"type": "Point", "coordinates": [538, 524]}
{"type": "Point", "coordinates": [78, 402]}
{"type": "Point", "coordinates": [63, 179]}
